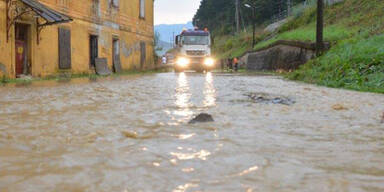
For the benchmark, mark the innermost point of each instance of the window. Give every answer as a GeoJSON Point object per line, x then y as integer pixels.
{"type": "Point", "coordinates": [64, 3]}
{"type": "Point", "coordinates": [196, 40]}
{"type": "Point", "coordinates": [95, 8]}
{"type": "Point", "coordinates": [142, 9]}
{"type": "Point", "coordinates": [114, 3]}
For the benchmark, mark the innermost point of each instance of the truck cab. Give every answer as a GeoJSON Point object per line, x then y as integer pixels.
{"type": "Point", "coordinates": [193, 49]}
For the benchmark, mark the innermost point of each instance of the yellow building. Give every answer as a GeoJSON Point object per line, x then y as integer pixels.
{"type": "Point", "coordinates": [46, 37]}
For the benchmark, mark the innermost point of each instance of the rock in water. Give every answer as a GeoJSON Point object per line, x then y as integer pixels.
{"type": "Point", "coordinates": [339, 107]}
{"type": "Point", "coordinates": [267, 98]}
{"type": "Point", "coordinates": [202, 118]}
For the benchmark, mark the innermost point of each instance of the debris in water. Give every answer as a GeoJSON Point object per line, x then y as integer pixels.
{"type": "Point", "coordinates": [91, 138]}
{"type": "Point", "coordinates": [6, 136]}
{"type": "Point", "coordinates": [130, 134]}
{"type": "Point", "coordinates": [202, 118]}
{"type": "Point", "coordinates": [339, 107]}
{"type": "Point", "coordinates": [382, 118]}
{"type": "Point", "coordinates": [135, 135]}
{"type": "Point", "coordinates": [267, 98]}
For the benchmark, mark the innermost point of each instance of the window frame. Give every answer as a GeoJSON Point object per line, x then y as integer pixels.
{"type": "Point", "coordinates": [142, 10]}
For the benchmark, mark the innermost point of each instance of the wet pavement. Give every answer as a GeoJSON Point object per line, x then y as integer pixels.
{"type": "Point", "coordinates": [132, 134]}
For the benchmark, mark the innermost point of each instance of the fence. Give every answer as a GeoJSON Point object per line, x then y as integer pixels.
{"type": "Point", "coordinates": [297, 9]}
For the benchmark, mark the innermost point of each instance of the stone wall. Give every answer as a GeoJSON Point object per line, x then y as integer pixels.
{"type": "Point", "coordinates": [285, 55]}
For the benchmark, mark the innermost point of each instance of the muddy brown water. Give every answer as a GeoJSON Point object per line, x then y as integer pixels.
{"type": "Point", "coordinates": [132, 134]}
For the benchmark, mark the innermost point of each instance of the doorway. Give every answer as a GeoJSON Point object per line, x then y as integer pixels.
{"type": "Point", "coordinates": [116, 55]}
{"type": "Point", "coordinates": [22, 50]}
{"type": "Point", "coordinates": [93, 49]}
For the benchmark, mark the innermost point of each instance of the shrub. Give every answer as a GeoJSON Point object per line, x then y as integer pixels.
{"type": "Point", "coordinates": [357, 63]}
{"type": "Point", "coordinates": [228, 44]}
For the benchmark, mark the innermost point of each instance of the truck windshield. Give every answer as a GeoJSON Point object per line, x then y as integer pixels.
{"type": "Point", "coordinates": [196, 40]}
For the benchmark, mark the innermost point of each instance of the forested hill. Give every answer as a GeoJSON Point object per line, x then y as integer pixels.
{"type": "Point", "coordinates": [219, 15]}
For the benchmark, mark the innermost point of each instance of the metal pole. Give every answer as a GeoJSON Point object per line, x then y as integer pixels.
{"type": "Point", "coordinates": [7, 23]}
{"type": "Point", "coordinates": [237, 16]}
{"type": "Point", "coordinates": [280, 2]}
{"type": "Point", "coordinates": [289, 7]}
{"type": "Point", "coordinates": [320, 27]}
{"type": "Point", "coordinates": [254, 27]}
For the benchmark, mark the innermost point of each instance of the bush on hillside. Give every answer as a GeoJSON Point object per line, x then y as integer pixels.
{"type": "Point", "coordinates": [356, 63]}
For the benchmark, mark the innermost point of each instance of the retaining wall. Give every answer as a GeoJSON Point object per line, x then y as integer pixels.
{"type": "Point", "coordinates": [285, 55]}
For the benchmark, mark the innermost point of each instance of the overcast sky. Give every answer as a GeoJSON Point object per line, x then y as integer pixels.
{"type": "Point", "coordinates": [175, 11]}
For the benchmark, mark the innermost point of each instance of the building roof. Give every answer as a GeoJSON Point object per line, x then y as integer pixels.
{"type": "Point", "coordinates": [51, 16]}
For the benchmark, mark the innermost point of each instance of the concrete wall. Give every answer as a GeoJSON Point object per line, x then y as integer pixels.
{"type": "Point", "coordinates": [88, 19]}
{"type": "Point", "coordinates": [284, 55]}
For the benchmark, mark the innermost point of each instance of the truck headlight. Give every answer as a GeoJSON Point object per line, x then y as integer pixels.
{"type": "Point", "coordinates": [209, 62]}
{"type": "Point", "coordinates": [182, 61]}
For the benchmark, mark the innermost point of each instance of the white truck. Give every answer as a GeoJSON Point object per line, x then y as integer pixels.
{"type": "Point", "coordinates": [193, 51]}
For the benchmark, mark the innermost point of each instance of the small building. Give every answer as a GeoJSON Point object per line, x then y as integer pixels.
{"type": "Point", "coordinates": [47, 37]}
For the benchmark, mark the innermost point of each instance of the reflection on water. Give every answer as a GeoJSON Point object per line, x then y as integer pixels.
{"type": "Point", "coordinates": [182, 91]}
{"type": "Point", "coordinates": [131, 134]}
{"type": "Point", "coordinates": [183, 97]}
{"type": "Point", "coordinates": [251, 169]}
{"type": "Point", "coordinates": [185, 187]}
{"type": "Point", "coordinates": [203, 154]}
{"type": "Point", "coordinates": [209, 91]}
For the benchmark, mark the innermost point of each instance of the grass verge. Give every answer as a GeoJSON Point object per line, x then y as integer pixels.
{"type": "Point", "coordinates": [356, 63]}
{"type": "Point", "coordinates": [355, 29]}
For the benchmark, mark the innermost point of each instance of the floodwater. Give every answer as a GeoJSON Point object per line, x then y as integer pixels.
{"type": "Point", "coordinates": [132, 134]}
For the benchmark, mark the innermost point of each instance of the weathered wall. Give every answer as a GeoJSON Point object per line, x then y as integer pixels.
{"type": "Point", "coordinates": [281, 55]}
{"type": "Point", "coordinates": [5, 59]}
{"type": "Point", "coordinates": [89, 19]}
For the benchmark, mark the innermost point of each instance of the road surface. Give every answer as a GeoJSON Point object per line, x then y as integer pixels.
{"type": "Point", "coordinates": [132, 134]}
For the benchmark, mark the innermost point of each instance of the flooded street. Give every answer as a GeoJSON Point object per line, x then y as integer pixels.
{"type": "Point", "coordinates": [132, 134]}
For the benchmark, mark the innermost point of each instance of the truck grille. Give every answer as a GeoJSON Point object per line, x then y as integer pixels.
{"type": "Point", "coordinates": [195, 53]}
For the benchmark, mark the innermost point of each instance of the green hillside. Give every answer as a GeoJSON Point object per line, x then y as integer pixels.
{"type": "Point", "coordinates": [354, 28]}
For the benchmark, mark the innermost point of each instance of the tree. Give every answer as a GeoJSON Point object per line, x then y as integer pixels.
{"type": "Point", "coordinates": [219, 15]}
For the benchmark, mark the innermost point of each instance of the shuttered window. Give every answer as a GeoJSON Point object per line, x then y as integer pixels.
{"type": "Point", "coordinates": [64, 48]}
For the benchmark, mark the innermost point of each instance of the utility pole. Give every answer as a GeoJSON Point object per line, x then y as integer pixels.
{"type": "Point", "coordinates": [280, 11]}
{"type": "Point", "coordinates": [253, 26]}
{"type": "Point", "coordinates": [237, 15]}
{"type": "Point", "coordinates": [253, 22]}
{"type": "Point", "coordinates": [320, 27]}
{"type": "Point", "coordinates": [242, 21]}
{"type": "Point", "coordinates": [289, 7]}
